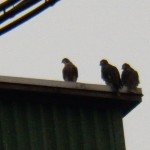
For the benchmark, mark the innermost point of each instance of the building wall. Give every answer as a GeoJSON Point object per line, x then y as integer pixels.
{"type": "Point", "coordinates": [40, 122]}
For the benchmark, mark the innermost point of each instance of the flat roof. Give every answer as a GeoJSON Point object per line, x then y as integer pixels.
{"type": "Point", "coordinates": [98, 94]}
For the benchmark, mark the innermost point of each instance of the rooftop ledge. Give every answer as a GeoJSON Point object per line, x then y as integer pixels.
{"type": "Point", "coordinates": [91, 93]}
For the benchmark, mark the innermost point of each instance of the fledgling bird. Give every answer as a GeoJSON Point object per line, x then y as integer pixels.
{"type": "Point", "coordinates": [129, 77]}
{"type": "Point", "coordinates": [70, 71]}
{"type": "Point", "coordinates": [111, 76]}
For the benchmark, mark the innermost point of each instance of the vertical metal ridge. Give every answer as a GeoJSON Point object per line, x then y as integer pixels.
{"type": "Point", "coordinates": [101, 129]}
{"type": "Point", "coordinates": [115, 130]}
{"type": "Point", "coordinates": [74, 128]}
{"type": "Point", "coordinates": [89, 139]}
{"type": "Point", "coordinates": [111, 130]}
{"type": "Point", "coordinates": [49, 137]}
{"type": "Point", "coordinates": [22, 132]}
{"type": "Point", "coordinates": [61, 128]}
{"type": "Point", "coordinates": [34, 125]}
{"type": "Point", "coordinates": [118, 130]}
{"type": "Point", "coordinates": [1, 137]}
{"type": "Point", "coordinates": [7, 125]}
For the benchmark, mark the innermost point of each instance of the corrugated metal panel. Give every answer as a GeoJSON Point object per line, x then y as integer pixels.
{"type": "Point", "coordinates": [36, 125]}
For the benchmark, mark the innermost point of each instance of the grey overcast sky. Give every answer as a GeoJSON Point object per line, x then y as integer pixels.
{"type": "Point", "coordinates": [86, 31]}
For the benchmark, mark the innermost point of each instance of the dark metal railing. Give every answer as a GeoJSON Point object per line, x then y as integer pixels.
{"type": "Point", "coordinates": [18, 8]}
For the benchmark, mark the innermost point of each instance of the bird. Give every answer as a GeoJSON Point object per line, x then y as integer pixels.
{"type": "Point", "coordinates": [70, 71]}
{"type": "Point", "coordinates": [111, 76]}
{"type": "Point", "coordinates": [129, 77]}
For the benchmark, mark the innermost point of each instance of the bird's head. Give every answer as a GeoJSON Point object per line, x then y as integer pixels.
{"type": "Point", "coordinates": [103, 62]}
{"type": "Point", "coordinates": [65, 61]}
{"type": "Point", "coordinates": [125, 66]}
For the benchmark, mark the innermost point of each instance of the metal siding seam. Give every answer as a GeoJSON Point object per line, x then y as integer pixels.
{"type": "Point", "coordinates": [74, 128]}
{"type": "Point", "coordinates": [118, 130]}
{"type": "Point", "coordinates": [34, 126]}
{"type": "Point", "coordinates": [101, 129]}
{"type": "Point", "coordinates": [88, 129]}
{"type": "Point", "coordinates": [49, 138]}
{"type": "Point", "coordinates": [61, 130]}
{"type": "Point", "coordinates": [111, 134]}
{"type": "Point", "coordinates": [22, 133]}
{"type": "Point", "coordinates": [7, 125]}
{"type": "Point", "coordinates": [1, 136]}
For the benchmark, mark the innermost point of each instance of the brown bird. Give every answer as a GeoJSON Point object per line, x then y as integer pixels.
{"type": "Point", "coordinates": [70, 71]}
{"type": "Point", "coordinates": [129, 77]}
{"type": "Point", "coordinates": [110, 75]}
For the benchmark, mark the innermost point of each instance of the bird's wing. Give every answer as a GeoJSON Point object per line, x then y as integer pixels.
{"type": "Point", "coordinates": [135, 78]}
{"type": "Point", "coordinates": [106, 74]}
{"type": "Point", "coordinates": [70, 72]}
{"type": "Point", "coordinates": [115, 77]}
{"type": "Point", "coordinates": [74, 72]}
{"type": "Point", "coordinates": [65, 73]}
{"type": "Point", "coordinates": [123, 78]}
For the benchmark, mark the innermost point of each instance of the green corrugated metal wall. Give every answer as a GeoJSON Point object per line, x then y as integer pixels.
{"type": "Point", "coordinates": [31, 125]}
